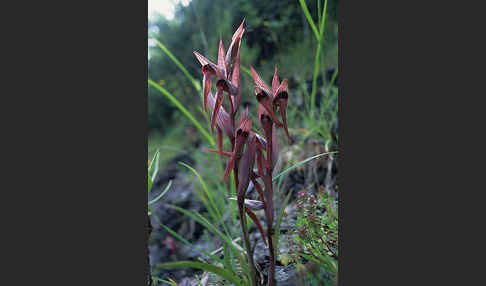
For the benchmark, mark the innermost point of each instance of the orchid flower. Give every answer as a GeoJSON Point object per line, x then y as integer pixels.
{"type": "Point", "coordinates": [273, 99]}
{"type": "Point", "coordinates": [226, 81]}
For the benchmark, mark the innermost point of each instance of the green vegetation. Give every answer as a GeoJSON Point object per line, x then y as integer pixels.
{"type": "Point", "coordinates": [316, 236]}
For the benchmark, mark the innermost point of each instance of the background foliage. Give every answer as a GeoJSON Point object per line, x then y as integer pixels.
{"type": "Point", "coordinates": [276, 32]}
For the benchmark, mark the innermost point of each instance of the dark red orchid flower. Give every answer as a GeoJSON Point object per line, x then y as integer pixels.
{"type": "Point", "coordinates": [225, 80]}
{"type": "Point", "coordinates": [280, 97]}
{"type": "Point", "coordinates": [241, 136]}
{"type": "Point", "coordinates": [273, 99]}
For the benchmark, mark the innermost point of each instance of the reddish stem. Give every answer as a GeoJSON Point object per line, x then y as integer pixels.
{"type": "Point", "coordinates": [267, 180]}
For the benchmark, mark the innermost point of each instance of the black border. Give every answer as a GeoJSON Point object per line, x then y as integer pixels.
{"type": "Point", "coordinates": [81, 158]}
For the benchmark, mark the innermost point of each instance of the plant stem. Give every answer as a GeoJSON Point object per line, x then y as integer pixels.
{"type": "Point", "coordinates": [246, 239]}
{"type": "Point", "coordinates": [271, 269]}
{"type": "Point", "coordinates": [267, 180]}
{"type": "Point", "coordinates": [314, 80]}
{"type": "Point", "coordinates": [319, 37]}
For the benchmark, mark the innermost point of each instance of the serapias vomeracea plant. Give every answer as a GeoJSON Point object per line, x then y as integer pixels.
{"type": "Point", "coordinates": [247, 147]}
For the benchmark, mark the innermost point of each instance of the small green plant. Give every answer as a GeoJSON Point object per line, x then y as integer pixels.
{"type": "Point", "coordinates": [153, 170]}
{"type": "Point", "coordinates": [316, 233]}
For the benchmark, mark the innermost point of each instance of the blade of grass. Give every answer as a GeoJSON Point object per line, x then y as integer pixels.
{"type": "Point", "coordinates": [162, 280]}
{"type": "Point", "coordinates": [300, 163]}
{"type": "Point", "coordinates": [246, 70]}
{"type": "Point", "coordinates": [309, 18]}
{"type": "Point", "coordinates": [323, 18]}
{"type": "Point", "coordinates": [161, 194]}
{"type": "Point", "coordinates": [227, 261]}
{"type": "Point", "coordinates": [216, 213]}
{"type": "Point", "coordinates": [317, 60]}
{"type": "Point", "coordinates": [179, 65]}
{"type": "Point", "coordinates": [176, 235]}
{"type": "Point", "coordinates": [183, 110]}
{"type": "Point", "coordinates": [204, 266]}
{"type": "Point", "coordinates": [314, 81]}
{"type": "Point", "coordinates": [204, 222]}
{"type": "Point", "coordinates": [152, 163]}
{"type": "Point", "coordinates": [149, 183]}
{"type": "Point", "coordinates": [157, 164]}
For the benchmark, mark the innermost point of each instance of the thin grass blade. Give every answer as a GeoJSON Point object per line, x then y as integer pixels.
{"type": "Point", "coordinates": [179, 65]}
{"type": "Point", "coordinates": [161, 194]}
{"type": "Point", "coordinates": [204, 222]}
{"type": "Point", "coordinates": [300, 163]}
{"type": "Point", "coordinates": [309, 18]}
{"type": "Point", "coordinates": [202, 251]}
{"type": "Point", "coordinates": [216, 213]}
{"type": "Point", "coordinates": [183, 110]}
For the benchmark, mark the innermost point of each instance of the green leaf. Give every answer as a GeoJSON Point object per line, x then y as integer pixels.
{"type": "Point", "coordinates": [149, 183]}
{"type": "Point", "coordinates": [161, 194]}
{"type": "Point", "coordinates": [204, 266]}
{"type": "Point", "coordinates": [183, 110]}
{"type": "Point", "coordinates": [227, 261]}
{"type": "Point", "coordinates": [152, 165]}
{"type": "Point", "coordinates": [300, 163]}
{"type": "Point", "coordinates": [156, 165]}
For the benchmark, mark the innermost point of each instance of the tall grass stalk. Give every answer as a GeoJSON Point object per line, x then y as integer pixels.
{"type": "Point", "coordinates": [317, 58]}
